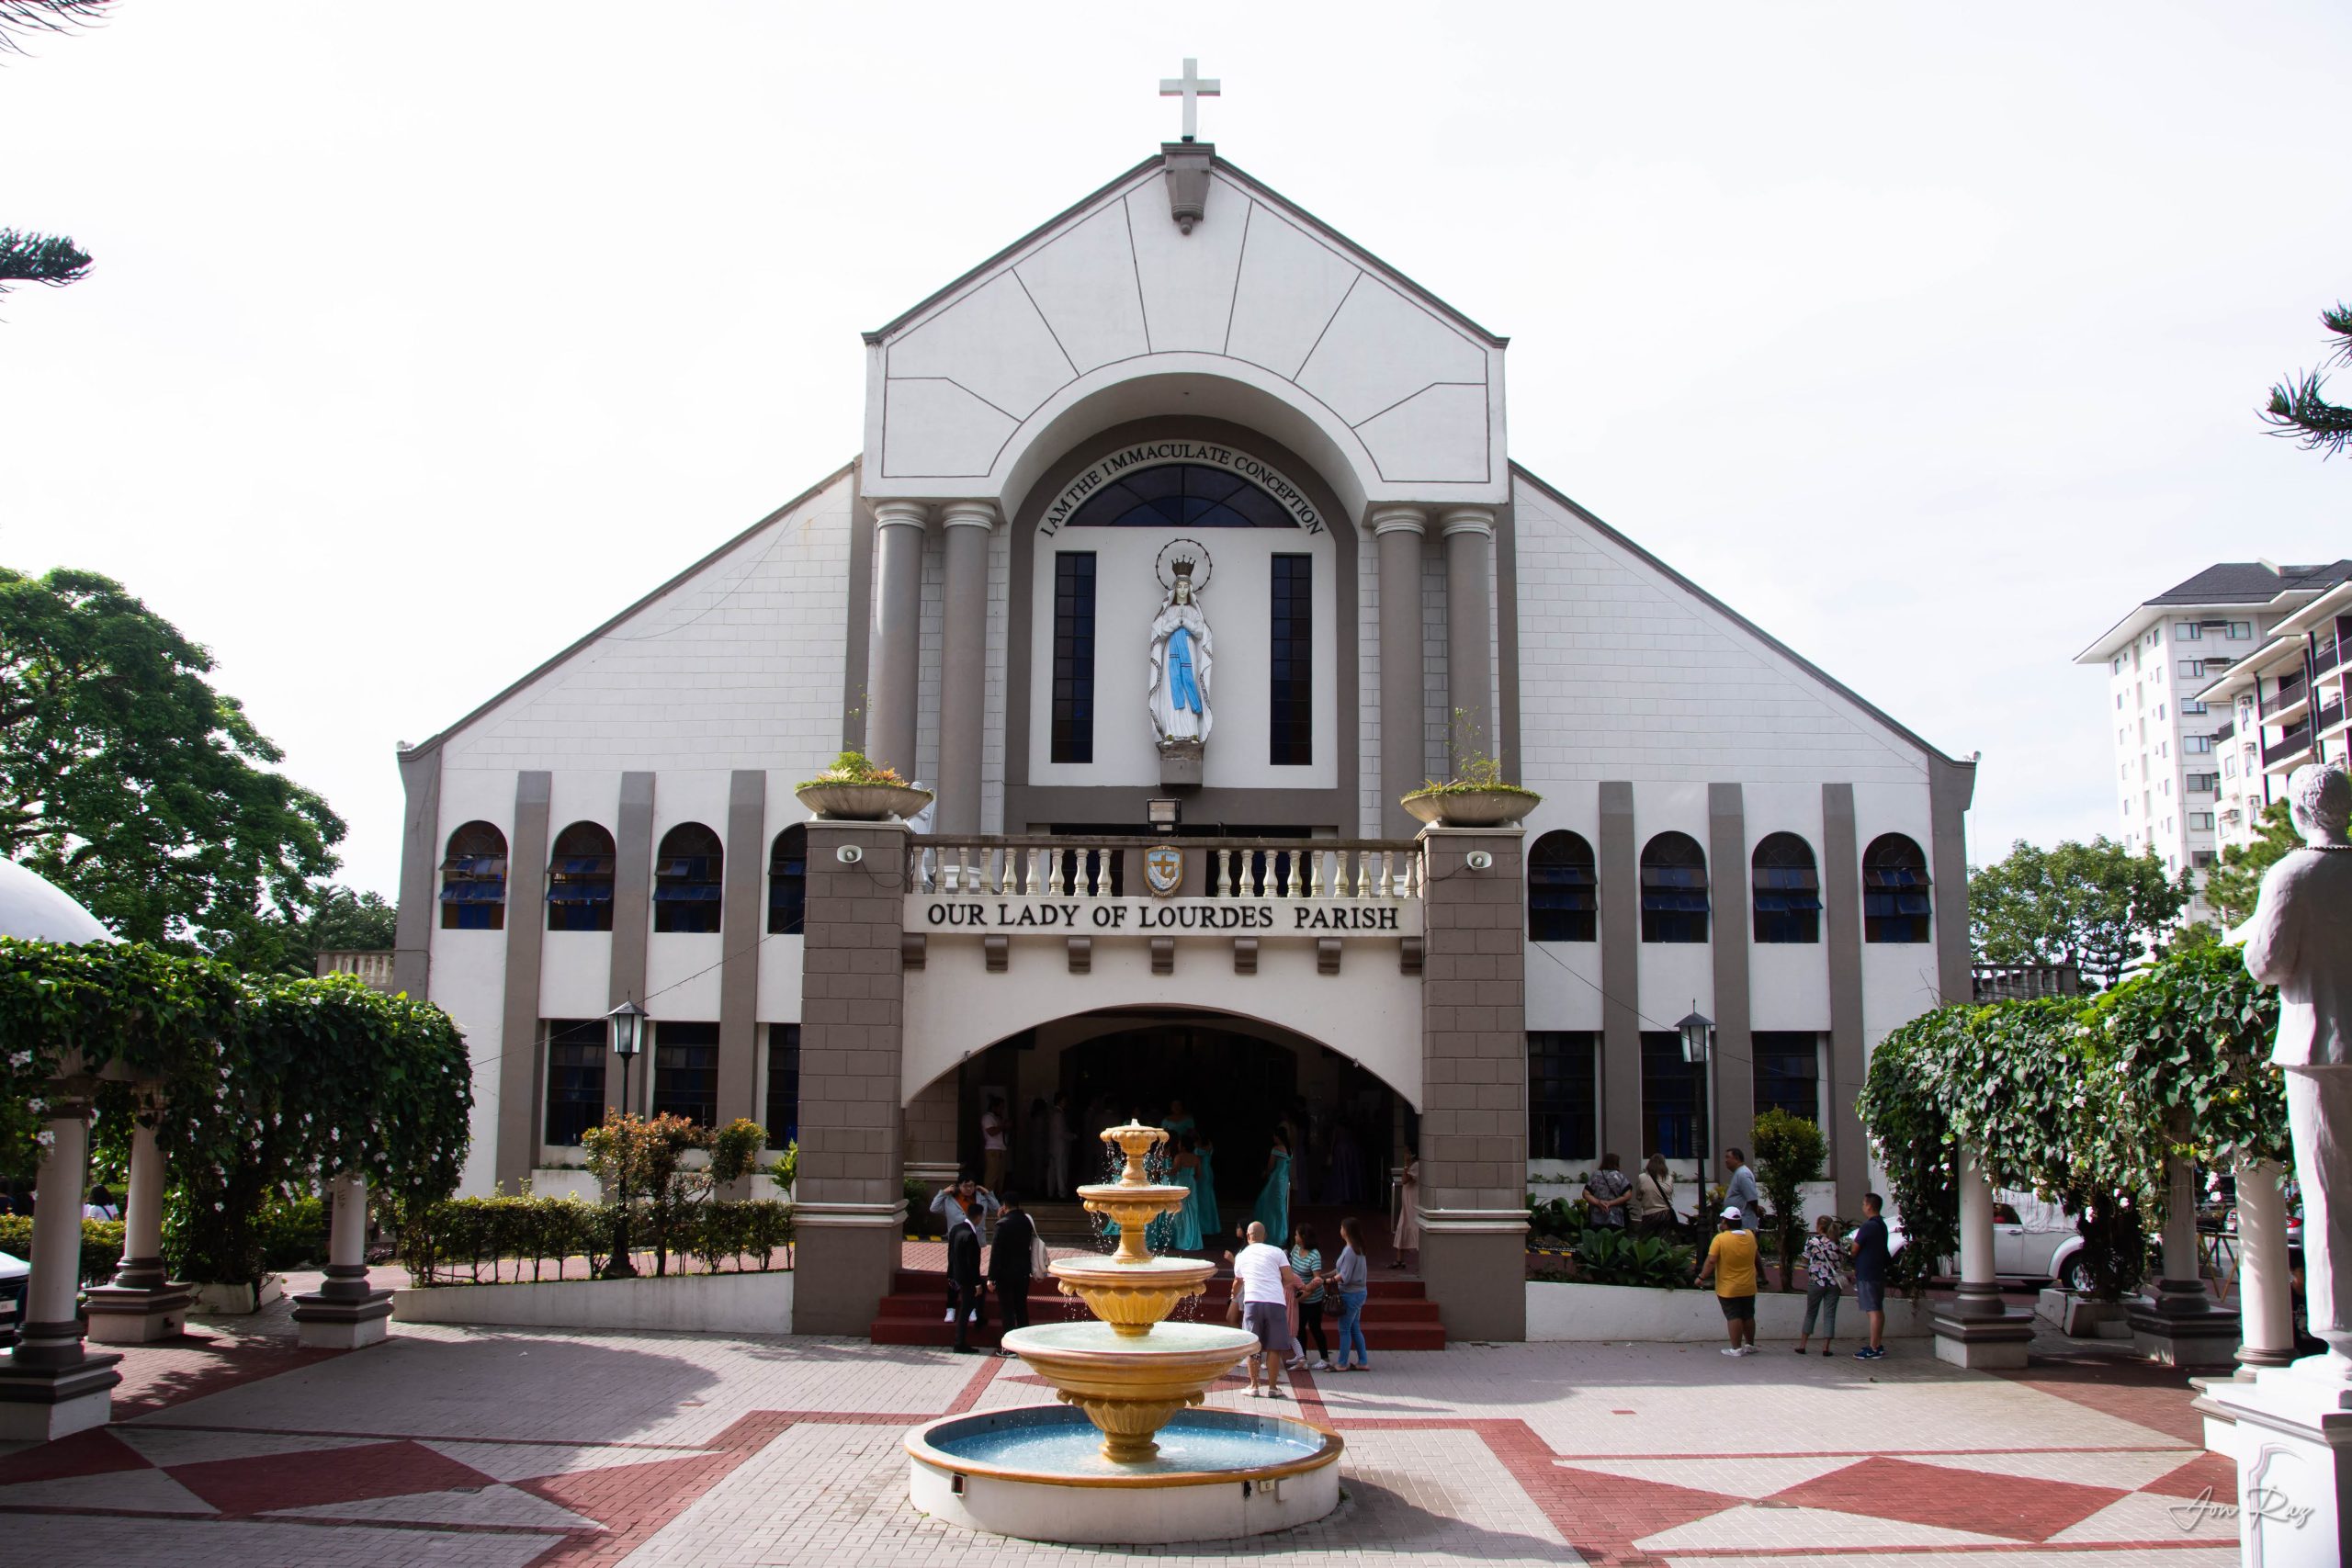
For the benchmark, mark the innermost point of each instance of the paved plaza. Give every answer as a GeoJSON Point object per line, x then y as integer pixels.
{"type": "Point", "coordinates": [504, 1449]}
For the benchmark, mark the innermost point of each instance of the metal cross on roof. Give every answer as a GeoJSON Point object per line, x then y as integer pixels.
{"type": "Point", "coordinates": [1192, 89]}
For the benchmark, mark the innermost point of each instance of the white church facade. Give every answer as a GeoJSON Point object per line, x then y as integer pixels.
{"type": "Point", "coordinates": [1183, 522]}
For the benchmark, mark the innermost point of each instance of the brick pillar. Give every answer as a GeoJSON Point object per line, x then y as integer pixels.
{"type": "Point", "coordinates": [1474, 1084]}
{"type": "Point", "coordinates": [849, 1200]}
{"type": "Point", "coordinates": [931, 1132]}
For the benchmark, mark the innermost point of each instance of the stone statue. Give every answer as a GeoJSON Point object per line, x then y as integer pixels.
{"type": "Point", "coordinates": [1180, 666]}
{"type": "Point", "coordinates": [2300, 939]}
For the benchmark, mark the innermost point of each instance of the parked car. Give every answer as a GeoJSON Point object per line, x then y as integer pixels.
{"type": "Point", "coordinates": [2039, 1242]}
{"type": "Point", "coordinates": [15, 1276]}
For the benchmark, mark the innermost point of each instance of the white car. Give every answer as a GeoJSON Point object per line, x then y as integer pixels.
{"type": "Point", "coordinates": [2032, 1241]}
{"type": "Point", "coordinates": [15, 1276]}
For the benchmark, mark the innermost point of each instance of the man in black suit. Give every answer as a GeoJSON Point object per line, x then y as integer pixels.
{"type": "Point", "coordinates": [964, 1281]}
{"type": "Point", "coordinates": [1009, 1259]}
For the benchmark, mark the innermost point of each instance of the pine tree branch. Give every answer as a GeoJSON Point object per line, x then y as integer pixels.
{"type": "Point", "coordinates": [21, 18]}
{"type": "Point", "coordinates": [39, 258]}
{"type": "Point", "coordinates": [2297, 412]}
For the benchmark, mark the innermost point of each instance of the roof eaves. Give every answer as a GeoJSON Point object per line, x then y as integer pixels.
{"type": "Point", "coordinates": [545, 665]}
{"type": "Point", "coordinates": [1775, 644]}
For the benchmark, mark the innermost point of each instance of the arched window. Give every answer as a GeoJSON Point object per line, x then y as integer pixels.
{"type": "Point", "coordinates": [1895, 890]}
{"type": "Point", "coordinates": [686, 879]}
{"type": "Point", "coordinates": [474, 880]}
{"type": "Point", "coordinates": [789, 882]}
{"type": "Point", "coordinates": [1788, 890]}
{"type": "Point", "coordinates": [1561, 888]}
{"type": "Point", "coordinates": [580, 881]}
{"type": "Point", "coordinates": [1674, 890]}
{"type": "Point", "coordinates": [1180, 495]}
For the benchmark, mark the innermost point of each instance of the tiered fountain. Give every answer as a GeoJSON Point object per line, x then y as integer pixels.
{"type": "Point", "coordinates": [1127, 1455]}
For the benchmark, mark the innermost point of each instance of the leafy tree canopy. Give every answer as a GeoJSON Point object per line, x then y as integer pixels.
{"type": "Point", "coordinates": [128, 781]}
{"type": "Point", "coordinates": [2235, 879]}
{"type": "Point", "coordinates": [2095, 905]}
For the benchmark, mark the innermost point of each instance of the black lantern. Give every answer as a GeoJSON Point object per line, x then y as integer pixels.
{"type": "Point", "coordinates": [1695, 1026]}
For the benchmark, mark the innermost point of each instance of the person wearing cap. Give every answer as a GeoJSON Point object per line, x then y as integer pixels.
{"type": "Point", "coordinates": [1731, 1258]}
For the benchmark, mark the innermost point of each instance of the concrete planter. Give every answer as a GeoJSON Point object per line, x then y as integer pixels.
{"type": "Point", "coordinates": [862, 802]}
{"type": "Point", "coordinates": [2082, 1317]}
{"type": "Point", "coordinates": [237, 1301]}
{"type": "Point", "coordinates": [1470, 807]}
{"type": "Point", "coordinates": [1594, 1313]}
{"type": "Point", "coordinates": [687, 1303]}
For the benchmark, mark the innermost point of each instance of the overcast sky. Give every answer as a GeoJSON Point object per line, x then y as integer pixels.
{"type": "Point", "coordinates": [419, 341]}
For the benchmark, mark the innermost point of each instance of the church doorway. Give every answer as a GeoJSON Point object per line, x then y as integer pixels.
{"type": "Point", "coordinates": [1238, 1082]}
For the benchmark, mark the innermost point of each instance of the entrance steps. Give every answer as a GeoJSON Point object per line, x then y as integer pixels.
{"type": "Point", "coordinates": [1397, 1315]}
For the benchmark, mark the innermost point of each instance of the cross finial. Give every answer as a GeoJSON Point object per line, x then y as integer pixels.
{"type": "Point", "coordinates": [1191, 88]}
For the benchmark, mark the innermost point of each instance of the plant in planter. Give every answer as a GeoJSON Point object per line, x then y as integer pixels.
{"type": "Point", "coordinates": [857, 789]}
{"type": "Point", "coordinates": [1606, 1257]}
{"type": "Point", "coordinates": [1476, 794]}
{"type": "Point", "coordinates": [1789, 1153]}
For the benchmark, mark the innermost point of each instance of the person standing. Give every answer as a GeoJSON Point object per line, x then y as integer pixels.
{"type": "Point", "coordinates": [1307, 1262]}
{"type": "Point", "coordinates": [1183, 1230]}
{"type": "Point", "coordinates": [1058, 1148]}
{"type": "Point", "coordinates": [965, 1289]}
{"type": "Point", "coordinates": [1273, 1209]}
{"type": "Point", "coordinates": [1035, 1149]}
{"type": "Point", "coordinates": [1869, 1251]}
{"type": "Point", "coordinates": [1010, 1259]}
{"type": "Point", "coordinates": [101, 1205]}
{"type": "Point", "coordinates": [1204, 1186]}
{"type": "Point", "coordinates": [1408, 1211]}
{"type": "Point", "coordinates": [993, 1129]}
{"type": "Point", "coordinates": [963, 1204]}
{"type": "Point", "coordinates": [1269, 1291]}
{"type": "Point", "coordinates": [1731, 1258]}
{"type": "Point", "coordinates": [1352, 1278]}
{"type": "Point", "coordinates": [1825, 1266]}
{"type": "Point", "coordinates": [1607, 1192]}
{"type": "Point", "coordinates": [1653, 1204]}
{"type": "Point", "coordinates": [1740, 1192]}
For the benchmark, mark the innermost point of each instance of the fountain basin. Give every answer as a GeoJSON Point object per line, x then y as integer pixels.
{"type": "Point", "coordinates": [1131, 1297]}
{"type": "Point", "coordinates": [1037, 1473]}
{"type": "Point", "coordinates": [1130, 1385]}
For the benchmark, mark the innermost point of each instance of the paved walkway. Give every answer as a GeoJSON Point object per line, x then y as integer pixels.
{"type": "Point", "coordinates": [457, 1447]}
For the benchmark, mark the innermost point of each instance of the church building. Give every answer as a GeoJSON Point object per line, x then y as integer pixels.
{"type": "Point", "coordinates": [1184, 541]}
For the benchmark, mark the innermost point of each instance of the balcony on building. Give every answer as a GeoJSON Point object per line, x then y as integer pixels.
{"type": "Point", "coordinates": [372, 965]}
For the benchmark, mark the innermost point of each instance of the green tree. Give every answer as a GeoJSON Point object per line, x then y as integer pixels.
{"type": "Point", "coordinates": [2298, 411]}
{"type": "Point", "coordinates": [2235, 879]}
{"type": "Point", "coordinates": [2095, 905]}
{"type": "Point", "coordinates": [130, 781]}
{"type": "Point", "coordinates": [42, 258]}
{"type": "Point", "coordinates": [1789, 1153]}
{"type": "Point", "coordinates": [290, 943]}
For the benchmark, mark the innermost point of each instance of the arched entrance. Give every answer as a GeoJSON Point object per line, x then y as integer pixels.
{"type": "Point", "coordinates": [1236, 1079]}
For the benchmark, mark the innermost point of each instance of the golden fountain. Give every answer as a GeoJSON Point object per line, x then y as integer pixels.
{"type": "Point", "coordinates": [1036, 1472]}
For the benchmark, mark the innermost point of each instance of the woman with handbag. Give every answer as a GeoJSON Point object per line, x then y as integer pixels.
{"type": "Point", "coordinates": [1653, 1200]}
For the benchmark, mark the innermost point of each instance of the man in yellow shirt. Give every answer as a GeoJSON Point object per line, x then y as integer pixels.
{"type": "Point", "coordinates": [1731, 1258]}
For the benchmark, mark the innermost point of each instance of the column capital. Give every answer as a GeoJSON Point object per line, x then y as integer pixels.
{"type": "Point", "coordinates": [968, 514]}
{"type": "Point", "coordinates": [1398, 519]}
{"type": "Point", "coordinates": [901, 515]}
{"type": "Point", "coordinates": [1467, 520]}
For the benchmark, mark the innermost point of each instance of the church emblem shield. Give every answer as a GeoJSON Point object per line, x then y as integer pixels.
{"type": "Point", "coordinates": [1163, 871]}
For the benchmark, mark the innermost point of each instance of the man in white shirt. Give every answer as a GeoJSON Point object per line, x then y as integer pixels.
{"type": "Point", "coordinates": [1269, 1293]}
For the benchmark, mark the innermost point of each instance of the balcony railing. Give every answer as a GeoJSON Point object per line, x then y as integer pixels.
{"type": "Point", "coordinates": [2328, 717]}
{"type": "Point", "coordinates": [2023, 982]}
{"type": "Point", "coordinates": [373, 965]}
{"type": "Point", "coordinates": [1113, 866]}
{"type": "Point", "coordinates": [2294, 743]}
{"type": "Point", "coordinates": [2329, 656]}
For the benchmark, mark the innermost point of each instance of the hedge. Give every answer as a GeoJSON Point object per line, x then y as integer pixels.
{"type": "Point", "coordinates": [101, 1244]}
{"type": "Point", "coordinates": [465, 1240]}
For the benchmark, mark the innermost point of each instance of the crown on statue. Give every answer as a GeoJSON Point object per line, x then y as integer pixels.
{"type": "Point", "coordinates": [1182, 566]}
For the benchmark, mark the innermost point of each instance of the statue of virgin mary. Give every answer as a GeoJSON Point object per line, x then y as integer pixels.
{"type": "Point", "coordinates": [1180, 666]}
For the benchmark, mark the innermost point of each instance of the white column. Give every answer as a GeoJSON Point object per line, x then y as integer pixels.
{"type": "Point", "coordinates": [51, 1386]}
{"type": "Point", "coordinates": [1978, 1329]}
{"type": "Point", "coordinates": [348, 1225]}
{"type": "Point", "coordinates": [140, 1305]}
{"type": "Point", "coordinates": [2181, 1227]}
{"type": "Point", "coordinates": [343, 1314]}
{"type": "Point", "coordinates": [2265, 1288]}
{"type": "Point", "coordinates": [897, 644]}
{"type": "Point", "coordinates": [1398, 532]}
{"type": "Point", "coordinates": [1469, 535]}
{"type": "Point", "coordinates": [2181, 1324]}
{"type": "Point", "coordinates": [1978, 1280]}
{"type": "Point", "coordinates": [964, 644]}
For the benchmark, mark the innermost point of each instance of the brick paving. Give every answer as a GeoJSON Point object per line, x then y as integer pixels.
{"type": "Point", "coordinates": [545, 1450]}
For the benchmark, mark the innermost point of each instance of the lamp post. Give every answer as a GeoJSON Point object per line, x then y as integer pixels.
{"type": "Point", "coordinates": [627, 1022]}
{"type": "Point", "coordinates": [1698, 1032]}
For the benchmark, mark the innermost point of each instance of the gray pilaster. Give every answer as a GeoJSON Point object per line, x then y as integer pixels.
{"type": "Point", "coordinates": [850, 1198]}
{"type": "Point", "coordinates": [744, 924]}
{"type": "Point", "coordinates": [1620, 967]}
{"type": "Point", "coordinates": [1397, 533]}
{"type": "Point", "coordinates": [1951, 785]}
{"type": "Point", "coordinates": [858, 628]}
{"type": "Point", "coordinates": [419, 858]}
{"type": "Point", "coordinates": [632, 916]}
{"type": "Point", "coordinates": [1474, 1082]}
{"type": "Point", "coordinates": [519, 1065]}
{"type": "Point", "coordinates": [1469, 533]}
{"type": "Point", "coordinates": [898, 633]}
{"type": "Point", "coordinates": [962, 662]}
{"type": "Point", "coordinates": [1507, 637]}
{"type": "Point", "coordinates": [1735, 1108]}
{"type": "Point", "coordinates": [1841, 899]}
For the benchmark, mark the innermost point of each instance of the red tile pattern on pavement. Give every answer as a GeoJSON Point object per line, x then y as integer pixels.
{"type": "Point", "coordinates": [2155, 1397]}
{"type": "Point", "coordinates": [323, 1476]}
{"type": "Point", "coordinates": [2013, 1506]}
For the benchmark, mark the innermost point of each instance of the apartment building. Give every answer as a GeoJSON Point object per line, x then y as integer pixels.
{"type": "Point", "coordinates": [2284, 701]}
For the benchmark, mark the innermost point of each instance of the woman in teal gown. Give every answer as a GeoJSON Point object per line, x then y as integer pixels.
{"type": "Point", "coordinates": [1183, 1233]}
{"type": "Point", "coordinates": [1204, 1186]}
{"type": "Point", "coordinates": [1274, 1199]}
{"type": "Point", "coordinates": [1179, 1121]}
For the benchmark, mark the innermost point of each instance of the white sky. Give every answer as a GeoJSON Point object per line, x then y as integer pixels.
{"type": "Point", "coordinates": [420, 343]}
